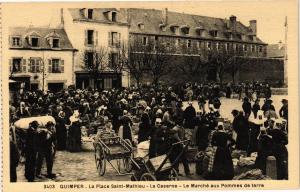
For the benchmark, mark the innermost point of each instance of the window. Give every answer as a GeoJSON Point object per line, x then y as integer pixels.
{"type": "Point", "coordinates": [156, 38]}
{"type": "Point", "coordinates": [163, 28]}
{"type": "Point", "coordinates": [114, 16]}
{"type": "Point", "coordinates": [55, 43]}
{"type": "Point", "coordinates": [239, 36]}
{"type": "Point", "coordinates": [89, 59]}
{"type": "Point", "coordinates": [245, 47]}
{"type": "Point", "coordinates": [227, 46]}
{"type": "Point", "coordinates": [34, 42]}
{"type": "Point", "coordinates": [260, 49]}
{"type": "Point", "coordinates": [16, 65]}
{"type": "Point", "coordinates": [90, 37]}
{"type": "Point", "coordinates": [198, 44]}
{"type": "Point", "coordinates": [218, 46]}
{"type": "Point", "coordinates": [114, 60]}
{"type": "Point", "coordinates": [90, 13]}
{"type": "Point", "coordinates": [55, 68]}
{"type": "Point", "coordinates": [189, 43]}
{"type": "Point", "coordinates": [208, 45]}
{"type": "Point", "coordinates": [214, 33]}
{"type": "Point", "coordinates": [114, 38]}
{"type": "Point", "coordinates": [253, 48]}
{"type": "Point", "coordinates": [141, 26]}
{"type": "Point", "coordinates": [16, 41]}
{"type": "Point", "coordinates": [34, 65]}
{"type": "Point", "coordinates": [145, 40]}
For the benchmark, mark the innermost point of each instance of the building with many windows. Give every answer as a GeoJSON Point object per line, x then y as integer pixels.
{"type": "Point", "coordinates": [99, 34]}
{"type": "Point", "coordinates": [41, 58]}
{"type": "Point", "coordinates": [193, 35]}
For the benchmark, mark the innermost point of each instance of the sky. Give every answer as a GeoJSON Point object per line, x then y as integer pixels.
{"type": "Point", "coordinates": [270, 14]}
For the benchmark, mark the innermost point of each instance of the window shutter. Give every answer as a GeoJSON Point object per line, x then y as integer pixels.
{"type": "Point", "coordinates": [86, 38]}
{"type": "Point", "coordinates": [109, 39]}
{"type": "Point", "coordinates": [49, 66]}
{"type": "Point", "coordinates": [96, 38]}
{"type": "Point", "coordinates": [23, 65]}
{"type": "Point", "coordinates": [38, 64]}
{"type": "Point", "coordinates": [62, 67]}
{"type": "Point", "coordinates": [10, 65]}
{"type": "Point", "coordinates": [119, 39]}
{"type": "Point", "coordinates": [29, 66]}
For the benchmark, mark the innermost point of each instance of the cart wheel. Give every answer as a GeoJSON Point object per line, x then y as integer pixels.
{"type": "Point", "coordinates": [100, 160]}
{"type": "Point", "coordinates": [173, 175]}
{"type": "Point", "coordinates": [127, 161]}
{"type": "Point", "coordinates": [148, 177]}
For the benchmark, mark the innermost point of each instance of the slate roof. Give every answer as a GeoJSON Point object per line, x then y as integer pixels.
{"type": "Point", "coordinates": [152, 19]}
{"type": "Point", "coordinates": [98, 15]}
{"type": "Point", "coordinates": [43, 33]}
{"type": "Point", "coordinates": [275, 51]}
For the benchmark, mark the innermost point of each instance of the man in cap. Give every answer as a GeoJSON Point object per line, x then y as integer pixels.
{"type": "Point", "coordinates": [31, 151]}
{"type": "Point", "coordinates": [46, 150]}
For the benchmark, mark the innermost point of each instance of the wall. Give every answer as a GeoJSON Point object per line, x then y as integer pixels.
{"type": "Point", "coordinates": [76, 33]}
{"type": "Point", "coordinates": [65, 77]}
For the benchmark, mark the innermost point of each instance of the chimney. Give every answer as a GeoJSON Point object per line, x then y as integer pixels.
{"type": "Point", "coordinates": [232, 19]}
{"type": "Point", "coordinates": [165, 16]}
{"type": "Point", "coordinates": [252, 26]}
{"type": "Point", "coordinates": [62, 22]}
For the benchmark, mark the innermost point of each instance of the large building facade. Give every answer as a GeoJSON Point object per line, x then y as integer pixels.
{"type": "Point", "coordinates": [41, 58]}
{"type": "Point", "coordinates": [99, 34]}
{"type": "Point", "coordinates": [189, 35]}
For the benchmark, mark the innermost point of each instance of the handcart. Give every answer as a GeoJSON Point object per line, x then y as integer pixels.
{"type": "Point", "coordinates": [108, 147]}
{"type": "Point", "coordinates": [158, 168]}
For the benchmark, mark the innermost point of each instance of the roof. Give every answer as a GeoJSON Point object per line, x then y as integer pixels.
{"type": "Point", "coordinates": [276, 50]}
{"type": "Point", "coordinates": [152, 20]}
{"type": "Point", "coordinates": [43, 33]}
{"type": "Point", "coordinates": [99, 15]}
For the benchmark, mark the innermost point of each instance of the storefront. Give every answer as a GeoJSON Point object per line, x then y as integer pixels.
{"type": "Point", "coordinates": [104, 80]}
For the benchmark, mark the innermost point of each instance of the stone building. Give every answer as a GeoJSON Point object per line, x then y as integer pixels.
{"type": "Point", "coordinates": [41, 58]}
{"type": "Point", "coordinates": [99, 34]}
{"type": "Point", "coordinates": [188, 35]}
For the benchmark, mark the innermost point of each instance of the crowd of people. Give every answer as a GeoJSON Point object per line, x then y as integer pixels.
{"type": "Point", "coordinates": [162, 119]}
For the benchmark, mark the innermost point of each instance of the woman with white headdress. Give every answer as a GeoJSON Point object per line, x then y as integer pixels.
{"type": "Point", "coordinates": [61, 131]}
{"type": "Point", "coordinates": [220, 165]}
{"type": "Point", "coordinates": [74, 133]}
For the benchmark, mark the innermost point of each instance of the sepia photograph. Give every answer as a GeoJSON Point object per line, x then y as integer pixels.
{"type": "Point", "coordinates": [157, 91]}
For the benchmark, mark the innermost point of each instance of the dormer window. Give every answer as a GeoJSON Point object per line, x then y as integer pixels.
{"type": "Point", "coordinates": [239, 36]}
{"type": "Point", "coordinates": [214, 33]}
{"type": "Point", "coordinates": [90, 13]}
{"type": "Point", "coordinates": [199, 31]}
{"type": "Point", "coordinates": [141, 26]}
{"type": "Point", "coordinates": [114, 16]}
{"type": "Point", "coordinates": [175, 29]}
{"type": "Point", "coordinates": [34, 41]}
{"type": "Point", "coordinates": [185, 29]}
{"type": "Point", "coordinates": [16, 41]}
{"type": "Point", "coordinates": [55, 43]}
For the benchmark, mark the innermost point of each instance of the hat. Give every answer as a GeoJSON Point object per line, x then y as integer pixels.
{"type": "Point", "coordinates": [190, 103]}
{"type": "Point", "coordinates": [61, 114]}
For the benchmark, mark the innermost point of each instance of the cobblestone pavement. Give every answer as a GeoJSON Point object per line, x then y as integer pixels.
{"type": "Point", "coordinates": [81, 166]}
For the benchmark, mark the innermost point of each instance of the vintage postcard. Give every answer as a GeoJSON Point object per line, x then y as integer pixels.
{"type": "Point", "coordinates": [170, 95]}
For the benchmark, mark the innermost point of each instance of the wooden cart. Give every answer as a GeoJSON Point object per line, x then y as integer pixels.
{"type": "Point", "coordinates": [109, 147]}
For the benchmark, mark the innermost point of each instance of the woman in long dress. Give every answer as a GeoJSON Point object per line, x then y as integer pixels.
{"type": "Point", "coordinates": [74, 133]}
{"type": "Point", "coordinates": [220, 164]}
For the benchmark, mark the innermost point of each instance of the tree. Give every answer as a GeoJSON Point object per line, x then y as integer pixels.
{"type": "Point", "coordinates": [138, 61]}
{"type": "Point", "coordinates": [159, 63]}
{"type": "Point", "coordinates": [193, 64]}
{"type": "Point", "coordinates": [94, 61]}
